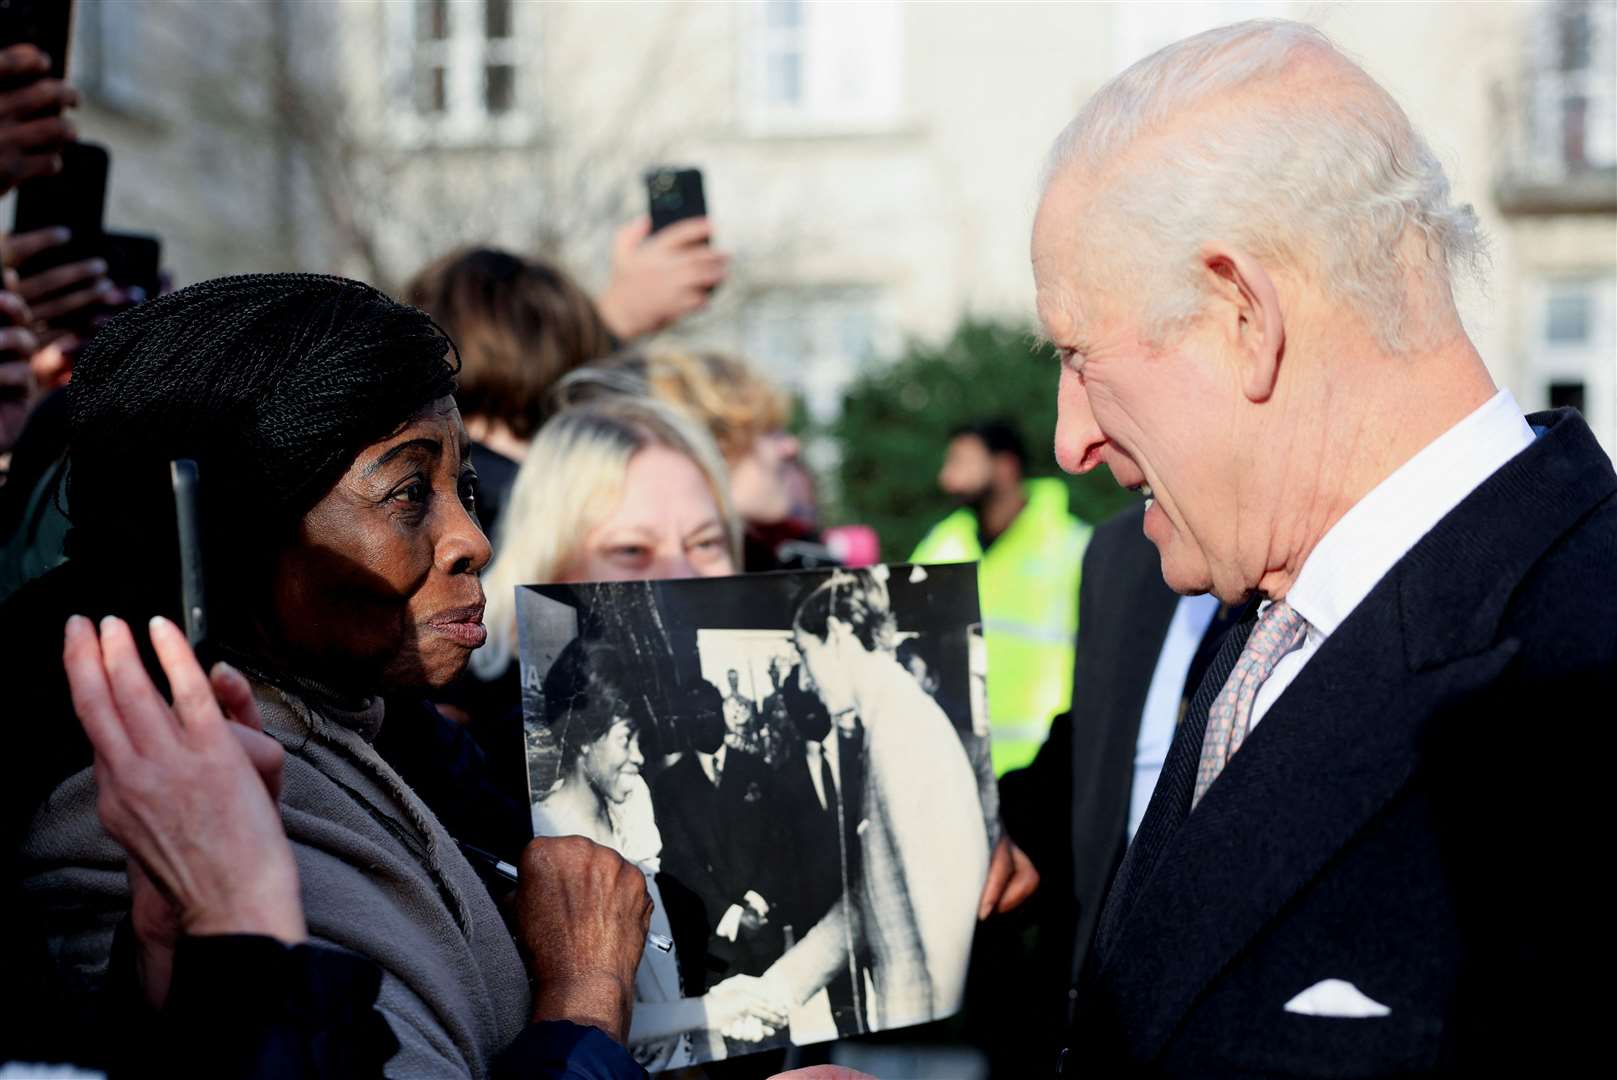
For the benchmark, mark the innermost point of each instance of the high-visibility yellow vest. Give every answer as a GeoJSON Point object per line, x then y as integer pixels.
{"type": "Point", "coordinates": [1028, 590]}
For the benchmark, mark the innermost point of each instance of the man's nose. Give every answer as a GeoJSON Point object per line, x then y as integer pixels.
{"type": "Point", "coordinates": [1079, 438]}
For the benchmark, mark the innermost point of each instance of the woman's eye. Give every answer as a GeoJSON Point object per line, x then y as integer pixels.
{"type": "Point", "coordinates": [629, 552]}
{"type": "Point", "coordinates": [415, 491]}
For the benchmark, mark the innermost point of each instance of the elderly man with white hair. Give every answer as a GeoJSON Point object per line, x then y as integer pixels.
{"type": "Point", "coordinates": [1368, 853]}
{"type": "Point", "coordinates": [1371, 850]}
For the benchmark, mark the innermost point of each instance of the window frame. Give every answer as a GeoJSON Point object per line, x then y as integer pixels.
{"type": "Point", "coordinates": [465, 55]}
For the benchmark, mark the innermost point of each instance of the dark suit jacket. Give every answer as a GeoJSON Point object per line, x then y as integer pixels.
{"type": "Point", "coordinates": [720, 842]}
{"type": "Point", "coordinates": [1069, 809]}
{"type": "Point", "coordinates": [1418, 815]}
{"type": "Point", "coordinates": [816, 878]}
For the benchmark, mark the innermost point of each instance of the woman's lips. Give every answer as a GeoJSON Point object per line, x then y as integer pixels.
{"type": "Point", "coordinates": [463, 626]}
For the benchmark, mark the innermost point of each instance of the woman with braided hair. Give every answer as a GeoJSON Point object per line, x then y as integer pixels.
{"type": "Point", "coordinates": [336, 510]}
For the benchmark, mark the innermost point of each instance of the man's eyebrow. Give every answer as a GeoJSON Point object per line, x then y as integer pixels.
{"type": "Point", "coordinates": [426, 444]}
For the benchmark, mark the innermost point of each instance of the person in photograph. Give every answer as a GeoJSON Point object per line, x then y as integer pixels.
{"type": "Point", "coordinates": [602, 796]}
{"type": "Point", "coordinates": [718, 812]}
{"type": "Point", "coordinates": [924, 849]}
{"type": "Point", "coordinates": [819, 797]}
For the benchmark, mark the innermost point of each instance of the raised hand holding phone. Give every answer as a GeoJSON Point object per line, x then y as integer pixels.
{"type": "Point", "coordinates": [664, 266]}
{"type": "Point", "coordinates": [189, 790]}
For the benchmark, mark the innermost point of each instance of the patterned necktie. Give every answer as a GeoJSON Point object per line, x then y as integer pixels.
{"type": "Point", "coordinates": [1280, 630]}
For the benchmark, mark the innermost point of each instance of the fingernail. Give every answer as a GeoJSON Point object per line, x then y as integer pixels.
{"type": "Point", "coordinates": [109, 621]}
{"type": "Point", "coordinates": [61, 234]}
{"type": "Point", "coordinates": [98, 266]}
{"type": "Point", "coordinates": [76, 620]}
{"type": "Point", "coordinates": [220, 668]}
{"type": "Point", "coordinates": [158, 622]}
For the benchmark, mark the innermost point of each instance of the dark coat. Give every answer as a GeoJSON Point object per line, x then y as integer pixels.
{"type": "Point", "coordinates": [719, 842]}
{"type": "Point", "coordinates": [1418, 814]}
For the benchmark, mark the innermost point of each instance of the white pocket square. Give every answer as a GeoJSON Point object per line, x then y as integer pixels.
{"type": "Point", "coordinates": [1335, 997]}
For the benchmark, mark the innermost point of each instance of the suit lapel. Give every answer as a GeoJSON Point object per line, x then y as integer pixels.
{"type": "Point", "coordinates": [1332, 752]}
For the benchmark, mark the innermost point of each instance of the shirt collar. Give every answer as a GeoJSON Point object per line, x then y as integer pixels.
{"type": "Point", "coordinates": [1380, 528]}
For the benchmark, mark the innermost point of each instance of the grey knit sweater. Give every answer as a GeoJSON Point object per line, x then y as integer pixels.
{"type": "Point", "coordinates": [379, 877]}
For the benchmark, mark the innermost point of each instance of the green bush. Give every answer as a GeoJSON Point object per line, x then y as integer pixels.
{"type": "Point", "coordinates": [896, 419]}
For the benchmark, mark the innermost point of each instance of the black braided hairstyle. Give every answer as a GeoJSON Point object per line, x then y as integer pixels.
{"type": "Point", "coordinates": [272, 383]}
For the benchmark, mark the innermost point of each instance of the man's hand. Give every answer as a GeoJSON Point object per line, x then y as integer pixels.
{"type": "Point", "coordinates": [1012, 878]}
{"type": "Point", "coordinates": [583, 912]}
{"type": "Point", "coordinates": [658, 279]}
{"type": "Point", "coordinates": [32, 129]}
{"type": "Point", "coordinates": [189, 794]}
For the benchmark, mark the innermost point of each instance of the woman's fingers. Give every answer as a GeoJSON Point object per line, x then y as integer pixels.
{"type": "Point", "coordinates": [194, 703]}
{"type": "Point", "coordinates": [266, 755]}
{"type": "Point", "coordinates": [235, 696]}
{"type": "Point", "coordinates": [20, 247]}
{"type": "Point", "coordinates": [146, 716]}
{"type": "Point", "coordinates": [92, 696]}
{"type": "Point", "coordinates": [62, 308]}
{"type": "Point", "coordinates": [58, 278]}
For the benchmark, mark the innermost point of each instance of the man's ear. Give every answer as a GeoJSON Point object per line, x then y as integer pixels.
{"type": "Point", "coordinates": [1252, 305]}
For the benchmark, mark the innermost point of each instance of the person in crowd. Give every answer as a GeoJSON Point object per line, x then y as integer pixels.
{"type": "Point", "coordinates": [746, 415]}
{"type": "Point", "coordinates": [343, 560]}
{"type": "Point", "coordinates": [1028, 549]}
{"type": "Point", "coordinates": [820, 799]}
{"type": "Point", "coordinates": [520, 325]}
{"type": "Point", "coordinates": [523, 323]}
{"type": "Point", "coordinates": [750, 728]}
{"type": "Point", "coordinates": [923, 841]}
{"type": "Point", "coordinates": [601, 795]}
{"type": "Point", "coordinates": [621, 490]}
{"type": "Point", "coordinates": [721, 823]}
{"type": "Point", "coordinates": [64, 305]}
{"type": "Point", "coordinates": [1361, 857]}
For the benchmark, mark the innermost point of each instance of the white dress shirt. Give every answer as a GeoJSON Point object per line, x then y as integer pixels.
{"type": "Point", "coordinates": [1380, 528]}
{"type": "Point", "coordinates": [1160, 717]}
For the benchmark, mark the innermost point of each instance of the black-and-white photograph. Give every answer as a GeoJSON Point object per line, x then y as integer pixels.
{"type": "Point", "coordinates": [799, 764]}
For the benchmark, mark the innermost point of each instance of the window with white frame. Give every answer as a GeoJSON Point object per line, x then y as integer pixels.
{"type": "Point", "coordinates": [1573, 346]}
{"type": "Point", "coordinates": [107, 44]}
{"type": "Point", "coordinates": [463, 69]}
{"type": "Point", "coordinates": [1573, 87]}
{"type": "Point", "coordinates": [817, 66]}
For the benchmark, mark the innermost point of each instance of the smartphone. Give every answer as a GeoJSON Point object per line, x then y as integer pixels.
{"type": "Point", "coordinates": [188, 525]}
{"type": "Point", "coordinates": [43, 23]}
{"type": "Point", "coordinates": [134, 261]}
{"type": "Point", "coordinates": [75, 197]}
{"type": "Point", "coordinates": [674, 194]}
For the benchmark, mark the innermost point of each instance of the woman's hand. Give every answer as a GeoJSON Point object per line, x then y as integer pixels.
{"type": "Point", "coordinates": [744, 1008]}
{"type": "Point", "coordinates": [659, 278]}
{"type": "Point", "coordinates": [583, 912]}
{"type": "Point", "coordinates": [32, 129]}
{"type": "Point", "coordinates": [1012, 878]}
{"type": "Point", "coordinates": [190, 795]}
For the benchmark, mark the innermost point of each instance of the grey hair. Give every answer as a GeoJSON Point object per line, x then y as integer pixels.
{"type": "Point", "coordinates": [1335, 184]}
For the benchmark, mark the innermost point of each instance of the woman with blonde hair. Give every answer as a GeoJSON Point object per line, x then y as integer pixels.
{"type": "Point", "coordinates": [621, 489]}
{"type": "Point", "coordinates": [744, 412]}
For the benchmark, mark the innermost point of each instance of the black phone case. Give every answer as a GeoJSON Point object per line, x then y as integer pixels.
{"type": "Point", "coordinates": [75, 197]}
{"type": "Point", "coordinates": [674, 195]}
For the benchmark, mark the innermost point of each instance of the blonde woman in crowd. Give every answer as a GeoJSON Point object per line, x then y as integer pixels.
{"type": "Point", "coordinates": [744, 412]}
